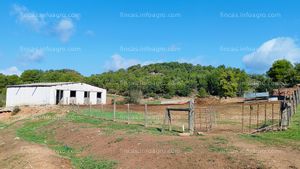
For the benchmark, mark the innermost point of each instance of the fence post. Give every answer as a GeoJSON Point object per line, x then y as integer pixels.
{"type": "Point", "coordinates": [90, 107]}
{"type": "Point", "coordinates": [265, 113]}
{"type": "Point", "coordinates": [114, 115]}
{"type": "Point", "coordinates": [243, 117]}
{"type": "Point", "coordinates": [145, 115]}
{"type": "Point", "coordinates": [128, 111]}
{"type": "Point", "coordinates": [191, 116]}
{"type": "Point", "coordinates": [294, 102]}
{"type": "Point", "coordinates": [257, 116]}
{"type": "Point", "coordinates": [101, 107]}
{"type": "Point", "coordinates": [250, 118]}
{"type": "Point", "coordinates": [272, 116]}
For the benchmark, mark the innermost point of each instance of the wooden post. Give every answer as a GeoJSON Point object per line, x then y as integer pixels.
{"type": "Point", "coordinates": [191, 116]}
{"type": "Point", "coordinates": [101, 107]}
{"type": "Point", "coordinates": [265, 113]}
{"type": "Point", "coordinates": [128, 112]}
{"type": "Point", "coordinates": [279, 115]}
{"type": "Point", "coordinates": [165, 119]}
{"type": "Point", "coordinates": [206, 119]}
{"type": "Point", "coordinates": [114, 116]}
{"type": "Point", "coordinates": [90, 107]}
{"type": "Point", "coordinates": [200, 119]}
{"type": "Point", "coordinates": [243, 118]}
{"type": "Point", "coordinates": [294, 103]}
{"type": "Point", "coordinates": [145, 115]}
{"type": "Point", "coordinates": [272, 116]}
{"type": "Point", "coordinates": [250, 118]}
{"type": "Point", "coordinates": [170, 120]}
{"type": "Point", "coordinates": [257, 116]}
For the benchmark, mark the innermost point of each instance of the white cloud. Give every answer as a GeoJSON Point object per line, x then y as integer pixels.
{"type": "Point", "coordinates": [27, 17]}
{"type": "Point", "coordinates": [118, 62]}
{"type": "Point", "coordinates": [35, 55]}
{"type": "Point", "coordinates": [64, 29]}
{"type": "Point", "coordinates": [11, 71]}
{"type": "Point", "coordinates": [278, 48]}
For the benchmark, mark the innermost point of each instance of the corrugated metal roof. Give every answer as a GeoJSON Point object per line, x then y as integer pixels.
{"type": "Point", "coordinates": [42, 84]}
{"type": "Point", "coordinates": [255, 95]}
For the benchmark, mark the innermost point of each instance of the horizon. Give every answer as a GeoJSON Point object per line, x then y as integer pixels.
{"type": "Point", "coordinates": [93, 38]}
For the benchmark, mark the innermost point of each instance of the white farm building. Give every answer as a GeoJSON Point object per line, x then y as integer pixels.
{"type": "Point", "coordinates": [63, 93]}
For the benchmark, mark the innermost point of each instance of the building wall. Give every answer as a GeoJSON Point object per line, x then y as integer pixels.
{"type": "Point", "coordinates": [80, 88]}
{"type": "Point", "coordinates": [19, 96]}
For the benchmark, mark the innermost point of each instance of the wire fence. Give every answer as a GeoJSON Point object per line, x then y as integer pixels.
{"type": "Point", "coordinates": [245, 117]}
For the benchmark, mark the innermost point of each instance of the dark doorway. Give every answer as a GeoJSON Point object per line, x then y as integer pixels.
{"type": "Point", "coordinates": [59, 96]}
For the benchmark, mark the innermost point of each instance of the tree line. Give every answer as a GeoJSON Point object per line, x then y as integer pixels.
{"type": "Point", "coordinates": [169, 79]}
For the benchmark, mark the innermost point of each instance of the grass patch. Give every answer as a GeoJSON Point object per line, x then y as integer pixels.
{"type": "Point", "coordinates": [109, 127]}
{"type": "Point", "coordinates": [290, 137]}
{"type": "Point", "coordinates": [133, 116]}
{"type": "Point", "coordinates": [218, 149]}
{"type": "Point", "coordinates": [31, 131]}
{"type": "Point", "coordinates": [91, 163]}
{"type": "Point", "coordinates": [28, 130]}
{"type": "Point", "coordinates": [3, 125]}
{"type": "Point", "coordinates": [220, 140]}
{"type": "Point", "coordinates": [76, 118]}
{"type": "Point", "coordinates": [152, 102]}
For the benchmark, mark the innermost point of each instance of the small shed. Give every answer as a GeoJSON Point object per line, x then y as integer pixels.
{"type": "Point", "coordinates": [64, 93]}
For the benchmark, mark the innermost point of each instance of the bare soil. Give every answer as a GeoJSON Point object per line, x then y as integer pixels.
{"type": "Point", "coordinates": [221, 148]}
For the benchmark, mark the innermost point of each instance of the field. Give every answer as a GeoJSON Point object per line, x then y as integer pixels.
{"type": "Point", "coordinates": [88, 137]}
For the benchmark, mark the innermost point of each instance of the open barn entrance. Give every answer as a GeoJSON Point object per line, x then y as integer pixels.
{"type": "Point", "coordinates": [59, 96]}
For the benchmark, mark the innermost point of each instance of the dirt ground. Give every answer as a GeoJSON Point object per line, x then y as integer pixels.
{"type": "Point", "coordinates": [214, 149]}
{"type": "Point", "coordinates": [16, 153]}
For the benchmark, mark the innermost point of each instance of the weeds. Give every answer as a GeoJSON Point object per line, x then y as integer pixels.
{"type": "Point", "coordinates": [290, 137]}
{"type": "Point", "coordinates": [29, 132]}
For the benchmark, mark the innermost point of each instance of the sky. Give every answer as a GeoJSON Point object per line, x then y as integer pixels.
{"type": "Point", "coordinates": [94, 36]}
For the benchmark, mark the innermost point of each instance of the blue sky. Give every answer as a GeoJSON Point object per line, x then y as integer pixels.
{"type": "Point", "coordinates": [96, 36]}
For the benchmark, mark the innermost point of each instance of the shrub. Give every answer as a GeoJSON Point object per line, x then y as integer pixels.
{"type": "Point", "coordinates": [134, 96]}
{"type": "Point", "coordinates": [202, 93]}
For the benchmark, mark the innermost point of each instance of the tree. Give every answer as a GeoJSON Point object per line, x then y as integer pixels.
{"type": "Point", "coordinates": [31, 76]}
{"type": "Point", "coordinates": [202, 93]}
{"type": "Point", "coordinates": [282, 71]}
{"type": "Point", "coordinates": [228, 84]}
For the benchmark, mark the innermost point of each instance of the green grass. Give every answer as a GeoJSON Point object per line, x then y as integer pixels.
{"type": "Point", "coordinates": [28, 130]}
{"type": "Point", "coordinates": [83, 162]}
{"type": "Point", "coordinates": [152, 102]}
{"type": "Point", "coordinates": [76, 118]}
{"type": "Point", "coordinates": [217, 148]}
{"type": "Point", "coordinates": [220, 140]}
{"type": "Point", "coordinates": [31, 131]}
{"type": "Point", "coordinates": [133, 116]}
{"type": "Point", "coordinates": [3, 125]}
{"type": "Point", "coordinates": [109, 127]}
{"type": "Point", "coordinates": [290, 137]}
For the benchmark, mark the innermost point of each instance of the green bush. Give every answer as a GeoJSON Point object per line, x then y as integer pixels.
{"type": "Point", "coordinates": [202, 93]}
